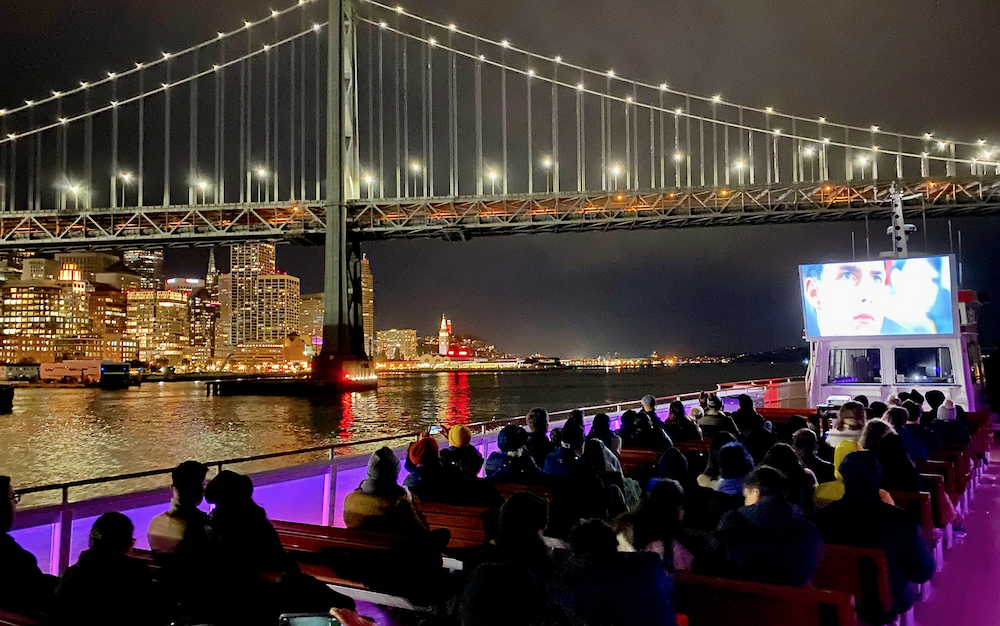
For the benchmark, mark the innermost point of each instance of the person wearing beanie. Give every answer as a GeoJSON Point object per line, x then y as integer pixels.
{"type": "Point", "coordinates": [460, 456]}
{"type": "Point", "coordinates": [715, 420]}
{"type": "Point", "coordinates": [428, 480]}
{"type": "Point", "coordinates": [947, 426]}
{"type": "Point", "coordinates": [649, 408]}
{"type": "Point", "coordinates": [379, 504]}
{"type": "Point", "coordinates": [885, 528]}
{"type": "Point", "coordinates": [511, 463]}
{"type": "Point", "coordinates": [106, 586]}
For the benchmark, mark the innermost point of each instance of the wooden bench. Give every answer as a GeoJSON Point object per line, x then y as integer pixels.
{"type": "Point", "coordinates": [508, 489]}
{"type": "Point", "coordinates": [710, 601]}
{"type": "Point", "coordinates": [468, 524]}
{"type": "Point", "coordinates": [640, 463]}
{"type": "Point", "coordinates": [333, 536]}
{"type": "Point", "coordinates": [918, 505]}
{"type": "Point", "coordinates": [861, 572]}
{"type": "Point", "coordinates": [945, 470]}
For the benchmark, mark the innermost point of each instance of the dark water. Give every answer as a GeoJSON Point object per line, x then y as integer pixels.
{"type": "Point", "coordinates": [57, 435]}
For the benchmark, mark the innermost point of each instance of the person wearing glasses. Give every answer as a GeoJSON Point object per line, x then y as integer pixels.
{"type": "Point", "coordinates": [23, 587]}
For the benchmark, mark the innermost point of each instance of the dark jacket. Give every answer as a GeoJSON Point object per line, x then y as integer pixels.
{"type": "Point", "coordinates": [501, 594]}
{"type": "Point", "coordinates": [430, 483]}
{"type": "Point", "coordinates": [520, 470]}
{"type": "Point", "coordinates": [871, 523]}
{"type": "Point", "coordinates": [23, 587]}
{"type": "Point", "coordinates": [747, 420]}
{"type": "Point", "coordinates": [466, 459]}
{"type": "Point", "coordinates": [713, 423]}
{"type": "Point", "coordinates": [539, 447]}
{"type": "Point", "coordinates": [682, 430]}
{"type": "Point", "coordinates": [646, 438]}
{"type": "Point", "coordinates": [106, 590]}
{"type": "Point", "coordinates": [767, 542]}
{"type": "Point", "coordinates": [577, 492]}
{"type": "Point", "coordinates": [654, 419]}
{"type": "Point", "coordinates": [950, 431]}
{"type": "Point", "coordinates": [617, 589]}
{"type": "Point", "coordinates": [822, 469]}
{"type": "Point", "coordinates": [914, 447]}
{"type": "Point", "coordinates": [930, 439]}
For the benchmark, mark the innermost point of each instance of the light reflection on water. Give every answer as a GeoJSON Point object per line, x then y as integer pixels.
{"type": "Point", "coordinates": [57, 435]}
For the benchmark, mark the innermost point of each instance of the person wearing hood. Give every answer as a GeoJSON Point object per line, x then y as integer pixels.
{"type": "Point", "coordinates": [23, 586]}
{"type": "Point", "coordinates": [715, 420]}
{"type": "Point", "coordinates": [833, 491]}
{"type": "Point", "coordinates": [735, 462]}
{"type": "Point", "coordinates": [460, 455]}
{"type": "Point", "coordinates": [947, 426]}
{"type": "Point", "coordinates": [600, 428]}
{"type": "Point", "coordinates": [511, 463]}
{"type": "Point", "coordinates": [379, 504]}
{"type": "Point", "coordinates": [884, 527]}
{"type": "Point", "coordinates": [767, 540]}
{"type": "Point", "coordinates": [106, 586]}
{"type": "Point", "coordinates": [746, 417]}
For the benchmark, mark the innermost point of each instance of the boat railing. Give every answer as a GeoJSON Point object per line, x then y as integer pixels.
{"type": "Point", "coordinates": [331, 449]}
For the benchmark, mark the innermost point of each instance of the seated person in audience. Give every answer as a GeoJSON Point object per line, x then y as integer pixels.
{"type": "Point", "coordinates": [947, 426]}
{"type": "Point", "coordinates": [538, 445]}
{"type": "Point", "coordinates": [656, 526]}
{"type": "Point", "coordinates": [600, 428]}
{"type": "Point", "coordinates": [649, 410]}
{"type": "Point", "coordinates": [178, 539]}
{"type": "Point", "coordinates": [601, 585]}
{"type": "Point", "coordinates": [874, 432]}
{"type": "Point", "coordinates": [766, 540]}
{"type": "Point", "coordinates": [757, 442]}
{"type": "Point", "coordinates": [801, 480]}
{"type": "Point", "coordinates": [916, 427]}
{"type": "Point", "coordinates": [862, 400]}
{"type": "Point", "coordinates": [850, 422]}
{"type": "Point", "coordinates": [519, 536]}
{"type": "Point", "coordinates": [862, 520]}
{"type": "Point", "coordinates": [638, 432]}
{"type": "Point", "coordinates": [715, 420]}
{"type": "Point", "coordinates": [712, 475]}
{"type": "Point", "coordinates": [806, 443]}
{"type": "Point", "coordinates": [833, 491]}
{"type": "Point", "coordinates": [379, 504]}
{"type": "Point", "coordinates": [106, 586]}
{"type": "Point", "coordinates": [878, 409]}
{"type": "Point", "coordinates": [785, 431]}
{"type": "Point", "coordinates": [501, 594]}
{"type": "Point", "coordinates": [511, 463]}
{"type": "Point", "coordinates": [608, 468]}
{"type": "Point", "coordinates": [746, 417]}
{"type": "Point", "coordinates": [459, 454]}
{"type": "Point", "coordinates": [23, 587]}
{"type": "Point", "coordinates": [735, 462]}
{"type": "Point", "coordinates": [679, 427]}
{"type": "Point", "coordinates": [915, 449]}
{"type": "Point", "coordinates": [898, 471]}
{"type": "Point", "coordinates": [578, 491]}
{"type": "Point", "coordinates": [704, 506]}
{"type": "Point", "coordinates": [428, 480]}
{"type": "Point", "coordinates": [916, 398]}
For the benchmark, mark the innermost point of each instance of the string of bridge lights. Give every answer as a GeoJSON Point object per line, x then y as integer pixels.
{"type": "Point", "coordinates": [664, 87]}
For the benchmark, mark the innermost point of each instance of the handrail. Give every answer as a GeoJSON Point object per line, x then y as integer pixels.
{"type": "Point", "coordinates": [484, 427]}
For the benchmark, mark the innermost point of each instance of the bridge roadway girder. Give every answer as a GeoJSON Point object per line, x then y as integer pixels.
{"type": "Point", "coordinates": [464, 217]}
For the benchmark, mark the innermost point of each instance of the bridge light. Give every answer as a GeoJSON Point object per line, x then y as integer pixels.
{"type": "Point", "coordinates": [138, 66]}
{"type": "Point", "coordinates": [822, 120]}
{"type": "Point", "coordinates": [678, 156]}
{"type": "Point", "coordinates": [432, 41]}
{"type": "Point", "coordinates": [875, 128]}
{"type": "Point", "coordinates": [740, 165]}
{"type": "Point", "coordinates": [246, 24]}
{"type": "Point", "coordinates": [111, 74]}
{"type": "Point", "coordinates": [214, 66]}
{"type": "Point", "coordinates": [981, 142]}
{"type": "Point", "coordinates": [505, 43]}
{"type": "Point", "coordinates": [723, 192]}
{"type": "Point", "coordinates": [927, 136]}
{"type": "Point", "coordinates": [62, 120]}
{"type": "Point", "coordinates": [166, 55]}
{"type": "Point", "coordinates": [826, 140]}
{"type": "Point", "coordinates": [924, 154]}
{"type": "Point", "coordinates": [29, 102]}
{"type": "Point", "coordinates": [482, 57]}
{"type": "Point", "coordinates": [616, 169]}
{"type": "Point", "coordinates": [382, 25]}
{"type": "Point", "coordinates": [114, 103]}
{"type": "Point", "coordinates": [942, 145]}
{"type": "Point", "coordinates": [579, 87]}
{"type": "Point", "coordinates": [165, 85]}
{"type": "Point", "coordinates": [769, 109]}
{"type": "Point", "coordinates": [316, 27]}
{"type": "Point", "coordinates": [84, 84]}
{"type": "Point", "coordinates": [262, 172]}
{"type": "Point", "coordinates": [558, 59]}
{"type": "Point", "coordinates": [399, 9]}
{"type": "Point", "coordinates": [663, 86]}
{"type": "Point", "coordinates": [415, 167]}
{"type": "Point", "coordinates": [56, 94]}
{"type": "Point", "coordinates": [611, 73]}
{"type": "Point", "coordinates": [628, 99]}
{"type": "Point", "coordinates": [875, 148]}
{"type": "Point", "coordinates": [777, 131]}
{"type": "Point", "coordinates": [11, 136]}
{"type": "Point", "coordinates": [808, 151]}
{"type": "Point", "coordinates": [678, 110]}
{"type": "Point", "coordinates": [202, 185]}
{"type": "Point", "coordinates": [493, 175]}
{"type": "Point", "coordinates": [547, 163]}
{"type": "Point", "coordinates": [717, 98]}
{"type": "Point", "coordinates": [531, 72]}
{"type": "Point", "coordinates": [220, 34]}
{"type": "Point", "coordinates": [368, 179]}
{"type": "Point", "coordinates": [862, 160]}
{"type": "Point", "coordinates": [3, 112]}
{"type": "Point", "coordinates": [126, 177]}
{"type": "Point", "coordinates": [274, 13]}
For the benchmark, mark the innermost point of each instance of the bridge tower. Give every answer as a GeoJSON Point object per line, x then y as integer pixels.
{"type": "Point", "coordinates": [342, 361]}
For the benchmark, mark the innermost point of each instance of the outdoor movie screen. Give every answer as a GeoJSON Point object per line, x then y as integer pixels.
{"type": "Point", "coordinates": [888, 297]}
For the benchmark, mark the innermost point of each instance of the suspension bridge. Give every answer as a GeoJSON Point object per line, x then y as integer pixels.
{"type": "Point", "coordinates": [338, 121]}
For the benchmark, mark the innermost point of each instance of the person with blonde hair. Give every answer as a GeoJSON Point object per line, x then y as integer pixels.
{"type": "Point", "coordinates": [850, 422]}
{"type": "Point", "coordinates": [874, 432]}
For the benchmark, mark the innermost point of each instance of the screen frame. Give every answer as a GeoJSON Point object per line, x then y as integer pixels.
{"type": "Point", "coordinates": [955, 317]}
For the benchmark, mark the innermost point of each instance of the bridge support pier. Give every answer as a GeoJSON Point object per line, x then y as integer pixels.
{"type": "Point", "coordinates": [342, 362]}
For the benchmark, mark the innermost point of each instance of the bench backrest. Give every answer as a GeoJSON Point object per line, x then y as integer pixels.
{"type": "Point", "coordinates": [466, 523]}
{"type": "Point", "coordinates": [707, 600]}
{"type": "Point", "coordinates": [918, 505]}
{"type": "Point", "coordinates": [508, 489]}
{"type": "Point", "coordinates": [934, 485]}
{"type": "Point", "coordinates": [942, 468]}
{"type": "Point", "coordinates": [640, 463]}
{"type": "Point", "coordinates": [336, 537]}
{"type": "Point", "coordinates": [861, 572]}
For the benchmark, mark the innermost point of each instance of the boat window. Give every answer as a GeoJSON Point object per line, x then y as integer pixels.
{"type": "Point", "coordinates": [855, 365]}
{"type": "Point", "coordinates": [924, 365]}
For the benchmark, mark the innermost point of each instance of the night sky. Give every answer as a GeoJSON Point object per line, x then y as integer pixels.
{"type": "Point", "coordinates": [915, 66]}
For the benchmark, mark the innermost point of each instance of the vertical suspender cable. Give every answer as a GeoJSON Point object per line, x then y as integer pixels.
{"type": "Point", "coordinates": [371, 101]}
{"type": "Point", "coordinates": [677, 149]}
{"type": "Point", "coordinates": [166, 138]}
{"type": "Point", "coordinates": [531, 173]}
{"type": "Point", "coordinates": [663, 145]}
{"type": "Point", "coordinates": [454, 120]}
{"type": "Point", "coordinates": [503, 106]}
{"type": "Point", "coordinates": [31, 161]}
{"type": "Point", "coordinates": [60, 154]}
{"type": "Point", "coordinates": [701, 150]}
{"type": "Point", "coordinates": [429, 184]}
{"type": "Point", "coordinates": [715, 145]}
{"type": "Point", "coordinates": [244, 166]}
{"type": "Point", "coordinates": [114, 145]}
{"type": "Point", "coordinates": [381, 117]}
{"type": "Point", "coordinates": [193, 133]}
{"type": "Point", "coordinates": [276, 115]}
{"type": "Point", "coordinates": [318, 90]}
{"type": "Point", "coordinates": [687, 161]}
{"type": "Point", "coordinates": [479, 121]}
{"type": "Point", "coordinates": [220, 125]}
{"type": "Point", "coordinates": [848, 164]}
{"type": "Point", "coordinates": [726, 164]}
{"type": "Point", "coordinates": [579, 137]}
{"type": "Point", "coordinates": [406, 118]}
{"type": "Point", "coordinates": [140, 173]}
{"type": "Point", "coordinates": [555, 127]}
{"type": "Point", "coordinates": [396, 94]}
{"type": "Point", "coordinates": [293, 80]}
{"type": "Point", "coordinates": [767, 146]}
{"type": "Point", "coordinates": [797, 155]}
{"type": "Point", "coordinates": [635, 140]}
{"type": "Point", "coordinates": [249, 128]}
{"type": "Point", "coordinates": [38, 171]}
{"type": "Point", "coordinates": [12, 181]}
{"type": "Point", "coordinates": [88, 149]}
{"type": "Point", "coordinates": [3, 161]}
{"type": "Point", "coordinates": [452, 139]}
{"type": "Point", "coordinates": [628, 146]}
{"type": "Point", "coordinates": [423, 109]}
{"type": "Point", "coordinates": [268, 165]}
{"type": "Point", "coordinates": [652, 149]}
{"type": "Point", "coordinates": [604, 138]}
{"type": "Point", "coordinates": [302, 110]}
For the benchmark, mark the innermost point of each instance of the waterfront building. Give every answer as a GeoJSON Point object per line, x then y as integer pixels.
{"type": "Point", "coordinates": [269, 355]}
{"type": "Point", "coordinates": [311, 318]}
{"type": "Point", "coordinates": [40, 268]}
{"type": "Point", "coordinates": [158, 321]}
{"type": "Point", "coordinates": [444, 336]}
{"type": "Point", "coordinates": [278, 311]}
{"type": "Point", "coordinates": [109, 321]}
{"type": "Point", "coordinates": [368, 306]}
{"type": "Point", "coordinates": [248, 262]}
{"type": "Point", "coordinates": [34, 314]}
{"type": "Point", "coordinates": [148, 264]}
{"type": "Point", "coordinates": [90, 263]}
{"type": "Point", "coordinates": [397, 344]}
{"type": "Point", "coordinates": [18, 371]}
{"type": "Point", "coordinates": [203, 313]}
{"type": "Point", "coordinates": [225, 290]}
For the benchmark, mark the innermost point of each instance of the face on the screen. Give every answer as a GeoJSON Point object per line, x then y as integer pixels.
{"type": "Point", "coordinates": [849, 298]}
{"type": "Point", "coordinates": [916, 284]}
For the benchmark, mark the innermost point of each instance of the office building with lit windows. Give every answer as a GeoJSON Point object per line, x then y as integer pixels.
{"type": "Point", "coordinates": [33, 315]}
{"type": "Point", "coordinates": [158, 321]}
{"type": "Point", "coordinates": [397, 344]}
{"type": "Point", "coordinates": [203, 314]}
{"type": "Point", "coordinates": [148, 264]}
{"type": "Point", "coordinates": [278, 311]}
{"type": "Point", "coordinates": [247, 262]}
{"type": "Point", "coordinates": [311, 314]}
{"type": "Point", "coordinates": [368, 306]}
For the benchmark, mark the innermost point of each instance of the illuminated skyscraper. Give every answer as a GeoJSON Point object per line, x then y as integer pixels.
{"type": "Point", "coordinates": [277, 307]}
{"type": "Point", "coordinates": [203, 314]}
{"type": "Point", "coordinates": [34, 314]}
{"type": "Point", "coordinates": [248, 261]}
{"type": "Point", "coordinates": [158, 320]}
{"type": "Point", "coordinates": [368, 306]}
{"type": "Point", "coordinates": [148, 264]}
{"type": "Point", "coordinates": [311, 316]}
{"type": "Point", "coordinates": [225, 310]}
{"type": "Point", "coordinates": [398, 344]}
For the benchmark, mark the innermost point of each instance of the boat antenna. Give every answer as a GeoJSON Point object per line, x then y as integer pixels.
{"type": "Point", "coordinates": [854, 257]}
{"type": "Point", "coordinates": [868, 239]}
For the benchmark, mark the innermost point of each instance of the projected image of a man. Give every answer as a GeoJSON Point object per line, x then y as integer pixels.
{"type": "Point", "coordinates": [849, 298]}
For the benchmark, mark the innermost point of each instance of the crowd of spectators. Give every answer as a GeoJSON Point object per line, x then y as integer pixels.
{"type": "Point", "coordinates": [758, 506]}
